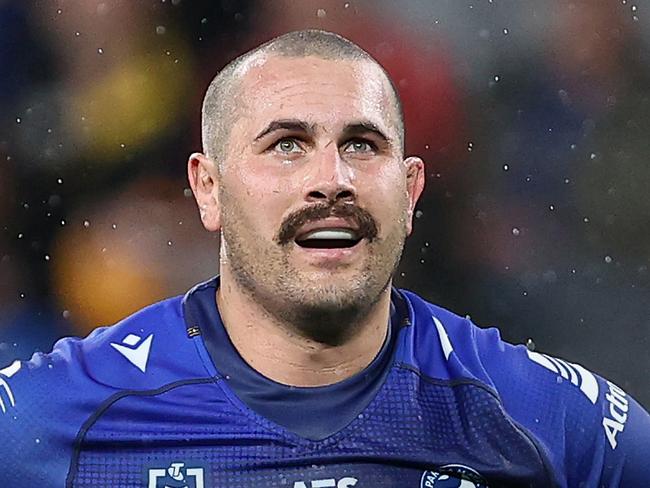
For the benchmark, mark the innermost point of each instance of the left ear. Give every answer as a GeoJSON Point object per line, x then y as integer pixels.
{"type": "Point", "coordinates": [414, 185]}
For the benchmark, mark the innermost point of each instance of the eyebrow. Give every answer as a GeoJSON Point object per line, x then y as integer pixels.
{"type": "Point", "coordinates": [353, 129]}
{"type": "Point", "coordinates": [364, 127]}
{"type": "Point", "coordinates": [286, 124]}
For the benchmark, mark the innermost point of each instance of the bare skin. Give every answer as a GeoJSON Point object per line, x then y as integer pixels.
{"type": "Point", "coordinates": [311, 132]}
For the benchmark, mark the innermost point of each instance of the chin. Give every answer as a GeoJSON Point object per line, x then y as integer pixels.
{"type": "Point", "coordinates": [327, 311]}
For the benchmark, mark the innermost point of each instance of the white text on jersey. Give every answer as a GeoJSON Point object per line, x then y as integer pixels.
{"type": "Point", "coordinates": [618, 407]}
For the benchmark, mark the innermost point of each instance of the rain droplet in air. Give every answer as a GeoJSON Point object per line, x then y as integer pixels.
{"type": "Point", "coordinates": [346, 5]}
{"type": "Point", "coordinates": [86, 223]}
{"type": "Point", "coordinates": [77, 34]}
{"type": "Point", "coordinates": [18, 120]}
{"type": "Point", "coordinates": [320, 13]}
{"type": "Point", "coordinates": [114, 226]}
{"type": "Point", "coordinates": [515, 231]}
{"type": "Point", "coordinates": [20, 236]}
{"type": "Point", "coordinates": [470, 146]}
{"type": "Point", "coordinates": [37, 440]}
{"type": "Point", "coordinates": [506, 167]}
{"type": "Point", "coordinates": [608, 259]}
{"type": "Point", "coordinates": [66, 314]}
{"type": "Point", "coordinates": [47, 257]}
{"type": "Point", "coordinates": [62, 222]}
{"type": "Point", "coordinates": [59, 181]}
{"type": "Point", "coordinates": [496, 78]}
{"type": "Point", "coordinates": [100, 50]}
{"type": "Point", "coordinates": [187, 193]}
{"type": "Point", "coordinates": [169, 243]}
{"type": "Point", "coordinates": [505, 32]}
{"type": "Point", "coordinates": [418, 214]}
{"type": "Point", "coordinates": [59, 11]}
{"type": "Point", "coordinates": [160, 30]}
{"type": "Point", "coordinates": [530, 344]}
{"type": "Point", "coordinates": [592, 156]}
{"type": "Point", "coordinates": [551, 207]}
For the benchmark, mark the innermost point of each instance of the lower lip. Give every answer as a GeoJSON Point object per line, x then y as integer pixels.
{"type": "Point", "coordinates": [335, 254]}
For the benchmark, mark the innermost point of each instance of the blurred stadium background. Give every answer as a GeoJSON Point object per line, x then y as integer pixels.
{"type": "Point", "coordinates": [533, 117]}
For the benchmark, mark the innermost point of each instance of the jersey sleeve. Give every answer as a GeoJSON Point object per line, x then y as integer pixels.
{"type": "Point", "coordinates": [43, 404]}
{"type": "Point", "coordinates": [593, 432]}
{"type": "Point", "coordinates": [624, 450]}
{"type": "Point", "coordinates": [34, 419]}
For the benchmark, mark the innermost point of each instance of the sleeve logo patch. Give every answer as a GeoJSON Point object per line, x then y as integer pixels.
{"type": "Point", "coordinates": [575, 373]}
{"type": "Point", "coordinates": [6, 395]}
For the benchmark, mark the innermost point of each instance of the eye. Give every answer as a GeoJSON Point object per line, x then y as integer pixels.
{"type": "Point", "coordinates": [287, 145]}
{"type": "Point", "coordinates": [358, 146]}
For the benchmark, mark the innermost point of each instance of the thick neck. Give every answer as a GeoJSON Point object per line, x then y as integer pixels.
{"type": "Point", "coordinates": [271, 348]}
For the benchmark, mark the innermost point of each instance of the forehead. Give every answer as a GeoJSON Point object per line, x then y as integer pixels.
{"type": "Point", "coordinates": [322, 91]}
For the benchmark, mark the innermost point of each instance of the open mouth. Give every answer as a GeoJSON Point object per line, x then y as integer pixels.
{"type": "Point", "coordinates": [328, 239]}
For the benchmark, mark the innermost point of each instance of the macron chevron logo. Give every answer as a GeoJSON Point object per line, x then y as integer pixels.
{"type": "Point", "coordinates": [135, 350]}
{"type": "Point", "coordinates": [575, 373]}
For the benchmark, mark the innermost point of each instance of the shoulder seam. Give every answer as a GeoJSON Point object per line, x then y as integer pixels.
{"type": "Point", "coordinates": [106, 404]}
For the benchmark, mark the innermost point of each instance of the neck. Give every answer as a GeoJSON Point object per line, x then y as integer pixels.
{"type": "Point", "coordinates": [277, 351]}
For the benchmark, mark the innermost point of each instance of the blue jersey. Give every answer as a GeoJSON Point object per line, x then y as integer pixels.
{"type": "Point", "coordinates": [162, 399]}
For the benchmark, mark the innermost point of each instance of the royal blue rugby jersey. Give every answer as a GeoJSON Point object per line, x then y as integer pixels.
{"type": "Point", "coordinates": [162, 399]}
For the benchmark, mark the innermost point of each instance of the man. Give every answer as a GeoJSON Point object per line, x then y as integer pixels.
{"type": "Point", "coordinates": [300, 365]}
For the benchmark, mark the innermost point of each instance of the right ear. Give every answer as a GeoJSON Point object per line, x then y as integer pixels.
{"type": "Point", "coordinates": [202, 175]}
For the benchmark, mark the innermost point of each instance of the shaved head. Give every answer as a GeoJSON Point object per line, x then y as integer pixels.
{"type": "Point", "coordinates": [220, 105]}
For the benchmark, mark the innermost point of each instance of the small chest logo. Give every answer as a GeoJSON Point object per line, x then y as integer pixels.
{"type": "Point", "coordinates": [177, 475]}
{"type": "Point", "coordinates": [452, 476]}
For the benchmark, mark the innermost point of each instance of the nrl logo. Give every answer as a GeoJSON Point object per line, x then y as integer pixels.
{"type": "Point", "coordinates": [176, 476]}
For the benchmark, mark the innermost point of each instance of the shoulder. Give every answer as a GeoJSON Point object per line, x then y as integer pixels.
{"type": "Point", "coordinates": [144, 351]}
{"type": "Point", "coordinates": [589, 427]}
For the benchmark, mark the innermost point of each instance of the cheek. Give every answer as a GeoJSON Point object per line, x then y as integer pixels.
{"type": "Point", "coordinates": [259, 199]}
{"type": "Point", "coordinates": [389, 208]}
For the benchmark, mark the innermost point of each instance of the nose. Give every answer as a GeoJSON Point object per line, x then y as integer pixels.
{"type": "Point", "coordinates": [330, 178]}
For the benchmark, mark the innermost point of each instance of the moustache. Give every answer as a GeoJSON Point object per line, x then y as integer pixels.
{"type": "Point", "coordinates": [366, 225]}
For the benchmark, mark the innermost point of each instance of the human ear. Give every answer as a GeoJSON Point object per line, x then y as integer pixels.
{"type": "Point", "coordinates": [203, 178]}
{"type": "Point", "coordinates": [415, 178]}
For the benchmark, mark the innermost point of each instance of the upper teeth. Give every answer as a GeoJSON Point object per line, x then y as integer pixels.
{"type": "Point", "coordinates": [330, 234]}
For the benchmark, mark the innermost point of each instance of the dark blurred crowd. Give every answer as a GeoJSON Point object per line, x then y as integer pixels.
{"type": "Point", "coordinates": [533, 118]}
